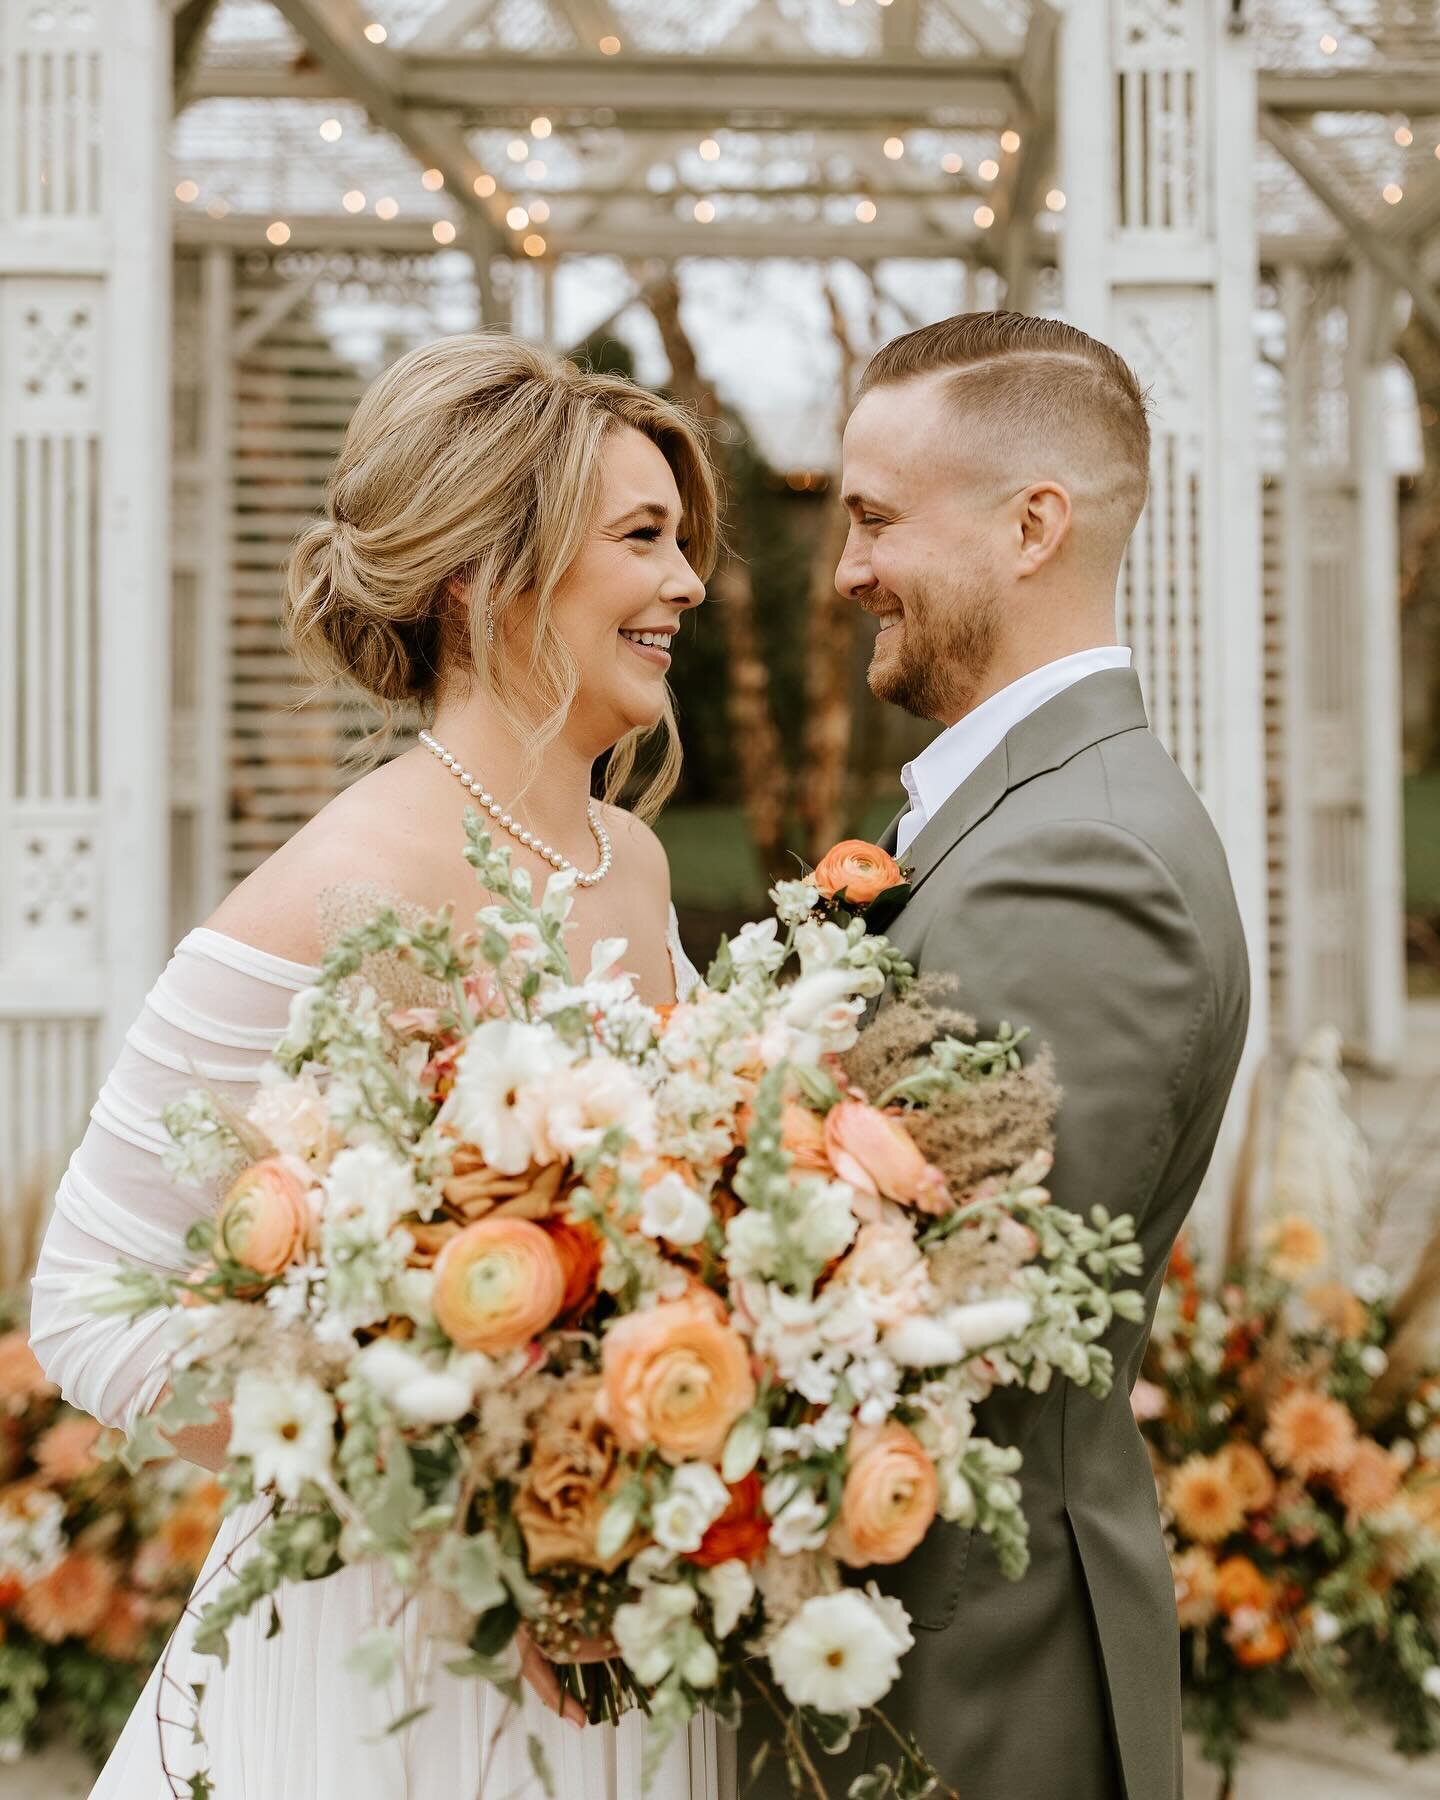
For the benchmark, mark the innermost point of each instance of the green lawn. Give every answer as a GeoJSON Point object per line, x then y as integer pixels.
{"type": "Point", "coordinates": [1422, 843]}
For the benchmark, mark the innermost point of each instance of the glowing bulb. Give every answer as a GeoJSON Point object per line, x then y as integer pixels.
{"type": "Point", "coordinates": [704, 211]}
{"type": "Point", "coordinates": [484, 186]}
{"type": "Point", "coordinates": [540, 127]}
{"type": "Point", "coordinates": [1010, 141]}
{"type": "Point", "coordinates": [1055, 200]}
{"type": "Point", "coordinates": [1329, 45]}
{"type": "Point", "coordinates": [988, 169]}
{"type": "Point", "coordinates": [443, 232]}
{"type": "Point", "coordinates": [354, 201]}
{"type": "Point", "coordinates": [984, 218]}
{"type": "Point", "coordinates": [331, 131]}
{"type": "Point", "coordinates": [376, 32]}
{"type": "Point", "coordinates": [1404, 136]}
{"type": "Point", "coordinates": [517, 150]}
{"type": "Point", "coordinates": [217, 209]}
{"type": "Point", "coordinates": [517, 218]}
{"type": "Point", "coordinates": [608, 46]}
{"type": "Point", "coordinates": [709, 150]}
{"type": "Point", "coordinates": [1392, 194]}
{"type": "Point", "coordinates": [278, 233]}
{"type": "Point", "coordinates": [539, 211]}
{"type": "Point", "coordinates": [894, 148]}
{"type": "Point", "coordinates": [535, 170]}
{"type": "Point", "coordinates": [386, 208]}
{"type": "Point", "coordinates": [534, 245]}
{"type": "Point", "coordinates": [433, 180]}
{"type": "Point", "coordinates": [187, 191]}
{"type": "Point", "coordinates": [951, 163]}
{"type": "Point", "coordinates": [865, 211]}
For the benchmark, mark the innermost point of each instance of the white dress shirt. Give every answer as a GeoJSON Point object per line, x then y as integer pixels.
{"type": "Point", "coordinates": [954, 756]}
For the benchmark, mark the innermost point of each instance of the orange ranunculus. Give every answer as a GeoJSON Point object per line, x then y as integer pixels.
{"type": "Point", "coordinates": [1250, 1475]}
{"type": "Point", "coordinates": [264, 1218]}
{"type": "Point", "coordinates": [1238, 1584]}
{"type": "Point", "coordinates": [67, 1450]}
{"type": "Point", "coordinates": [21, 1377]}
{"type": "Point", "coordinates": [677, 1377]}
{"type": "Point", "coordinates": [579, 1247]}
{"type": "Point", "coordinates": [857, 871]}
{"type": "Point", "coordinates": [573, 1474]}
{"type": "Point", "coordinates": [876, 1154]}
{"type": "Point", "coordinates": [498, 1284]}
{"type": "Point", "coordinates": [741, 1532]}
{"type": "Point", "coordinates": [71, 1600]}
{"type": "Point", "coordinates": [1266, 1645]}
{"type": "Point", "coordinates": [891, 1491]}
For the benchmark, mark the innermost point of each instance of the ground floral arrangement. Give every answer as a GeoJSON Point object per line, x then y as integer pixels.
{"type": "Point", "coordinates": [1293, 1419]}
{"type": "Point", "coordinates": [651, 1327]}
{"type": "Point", "coordinates": [96, 1563]}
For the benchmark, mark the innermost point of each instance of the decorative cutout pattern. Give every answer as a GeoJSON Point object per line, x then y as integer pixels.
{"type": "Point", "coordinates": [1161, 116]}
{"type": "Point", "coordinates": [56, 881]}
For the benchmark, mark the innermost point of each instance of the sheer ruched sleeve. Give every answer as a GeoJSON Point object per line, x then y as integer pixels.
{"type": "Point", "coordinates": [212, 1018]}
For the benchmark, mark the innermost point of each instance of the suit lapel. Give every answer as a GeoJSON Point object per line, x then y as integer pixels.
{"type": "Point", "coordinates": [891, 833]}
{"type": "Point", "coordinates": [1099, 707]}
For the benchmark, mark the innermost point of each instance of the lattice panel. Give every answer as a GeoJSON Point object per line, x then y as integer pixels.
{"type": "Point", "coordinates": [1162, 582]}
{"type": "Point", "coordinates": [48, 1078]}
{"type": "Point", "coordinates": [51, 109]}
{"type": "Point", "coordinates": [1161, 116]}
{"type": "Point", "coordinates": [1277, 727]}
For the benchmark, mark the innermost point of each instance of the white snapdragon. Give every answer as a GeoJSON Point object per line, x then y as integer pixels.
{"type": "Point", "coordinates": [798, 1518]}
{"type": "Point", "coordinates": [673, 1210]}
{"type": "Point", "coordinates": [291, 1112]}
{"type": "Point", "coordinates": [751, 1243]}
{"type": "Point", "coordinates": [794, 901]}
{"type": "Point", "coordinates": [696, 1498]}
{"type": "Point", "coordinates": [369, 1184]}
{"type": "Point", "coordinates": [755, 948]}
{"type": "Point", "coordinates": [730, 1589]}
{"type": "Point", "coordinates": [827, 1223]}
{"type": "Point", "coordinates": [424, 1390]}
{"type": "Point", "coordinates": [649, 1631]}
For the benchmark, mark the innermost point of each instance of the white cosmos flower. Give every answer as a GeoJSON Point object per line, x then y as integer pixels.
{"type": "Point", "coordinates": [697, 1497]}
{"type": "Point", "coordinates": [893, 1616]}
{"type": "Point", "coordinates": [588, 1098]}
{"type": "Point", "coordinates": [500, 1081]}
{"type": "Point", "coordinates": [730, 1588]}
{"type": "Point", "coordinates": [368, 1182]}
{"type": "Point", "coordinates": [286, 1426]}
{"type": "Point", "coordinates": [750, 1243]}
{"type": "Point", "coordinates": [837, 1654]}
{"type": "Point", "coordinates": [672, 1210]}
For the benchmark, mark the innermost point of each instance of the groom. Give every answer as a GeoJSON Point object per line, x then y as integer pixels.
{"type": "Point", "coordinates": [1066, 873]}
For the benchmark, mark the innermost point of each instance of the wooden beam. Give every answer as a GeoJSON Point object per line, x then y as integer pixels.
{"type": "Point", "coordinates": [989, 31]}
{"type": "Point", "coordinates": [449, 23]}
{"type": "Point", "coordinates": [192, 20]}
{"type": "Point", "coordinates": [1389, 89]}
{"type": "Point", "coordinates": [1023, 171]}
{"type": "Point", "coordinates": [899, 28]}
{"type": "Point", "coordinates": [1376, 247]}
{"type": "Point", "coordinates": [590, 20]}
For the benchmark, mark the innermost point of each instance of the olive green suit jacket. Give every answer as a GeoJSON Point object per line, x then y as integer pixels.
{"type": "Point", "coordinates": [1075, 884]}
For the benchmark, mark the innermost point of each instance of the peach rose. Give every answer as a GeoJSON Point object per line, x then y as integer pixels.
{"type": "Point", "coordinates": [886, 1261]}
{"type": "Point", "coordinates": [858, 871]}
{"type": "Point", "coordinates": [21, 1377]}
{"type": "Point", "coordinates": [891, 1491]}
{"type": "Point", "coordinates": [497, 1284]}
{"type": "Point", "coordinates": [877, 1155]}
{"type": "Point", "coordinates": [264, 1218]}
{"type": "Point", "coordinates": [802, 1133]}
{"type": "Point", "coordinates": [677, 1377]}
{"type": "Point", "coordinates": [573, 1476]}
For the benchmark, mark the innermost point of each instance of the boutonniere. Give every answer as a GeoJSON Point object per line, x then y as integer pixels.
{"type": "Point", "coordinates": [857, 879]}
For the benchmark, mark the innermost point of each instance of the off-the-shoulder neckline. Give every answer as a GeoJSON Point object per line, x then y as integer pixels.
{"type": "Point", "coordinates": [247, 958]}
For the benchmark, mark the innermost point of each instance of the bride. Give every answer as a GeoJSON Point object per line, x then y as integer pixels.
{"type": "Point", "coordinates": [511, 543]}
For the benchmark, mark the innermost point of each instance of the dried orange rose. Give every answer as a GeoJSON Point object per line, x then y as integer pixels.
{"type": "Point", "coordinates": [264, 1218]}
{"type": "Point", "coordinates": [859, 871]}
{"type": "Point", "coordinates": [497, 1284]}
{"type": "Point", "coordinates": [572, 1477]}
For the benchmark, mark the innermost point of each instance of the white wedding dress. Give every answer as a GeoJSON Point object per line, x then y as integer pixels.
{"type": "Point", "coordinates": [285, 1720]}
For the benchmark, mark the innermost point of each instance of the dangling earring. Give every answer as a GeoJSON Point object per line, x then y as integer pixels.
{"type": "Point", "coordinates": [489, 622]}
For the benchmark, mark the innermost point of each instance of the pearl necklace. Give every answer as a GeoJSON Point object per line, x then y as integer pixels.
{"type": "Point", "coordinates": [528, 838]}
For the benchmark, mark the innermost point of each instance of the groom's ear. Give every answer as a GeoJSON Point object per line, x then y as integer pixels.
{"type": "Point", "coordinates": [1044, 517]}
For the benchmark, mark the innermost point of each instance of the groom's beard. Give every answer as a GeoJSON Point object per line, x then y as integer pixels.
{"type": "Point", "coordinates": [944, 648]}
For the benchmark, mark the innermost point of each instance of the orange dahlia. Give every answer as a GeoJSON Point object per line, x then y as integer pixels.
{"type": "Point", "coordinates": [1294, 1247]}
{"type": "Point", "coordinates": [1204, 1500]}
{"type": "Point", "coordinates": [67, 1450]}
{"type": "Point", "coordinates": [1250, 1474]}
{"type": "Point", "coordinates": [1310, 1433]}
{"type": "Point", "coordinates": [1368, 1481]}
{"type": "Point", "coordinates": [71, 1600]}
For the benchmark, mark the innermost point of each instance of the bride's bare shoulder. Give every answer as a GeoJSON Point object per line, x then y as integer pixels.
{"type": "Point", "coordinates": [370, 834]}
{"type": "Point", "coordinates": [641, 847]}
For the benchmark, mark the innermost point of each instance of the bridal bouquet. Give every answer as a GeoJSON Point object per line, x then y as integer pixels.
{"type": "Point", "coordinates": [647, 1327]}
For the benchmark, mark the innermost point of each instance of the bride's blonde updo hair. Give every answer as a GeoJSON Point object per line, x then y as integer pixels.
{"type": "Point", "coordinates": [474, 463]}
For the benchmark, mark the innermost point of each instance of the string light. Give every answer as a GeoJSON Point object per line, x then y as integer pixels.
{"type": "Point", "coordinates": [517, 218]}
{"type": "Point", "coordinates": [608, 46]}
{"type": "Point", "coordinates": [540, 128]}
{"type": "Point", "coordinates": [187, 191]}
{"type": "Point", "coordinates": [709, 150]}
{"type": "Point", "coordinates": [535, 170]}
{"type": "Point", "coordinates": [1055, 200]}
{"type": "Point", "coordinates": [484, 186]}
{"type": "Point", "coordinates": [1329, 45]}
{"type": "Point", "coordinates": [704, 211]}
{"type": "Point", "coordinates": [894, 148]}
{"type": "Point", "coordinates": [984, 218]}
{"type": "Point", "coordinates": [278, 233]}
{"type": "Point", "coordinates": [517, 150]}
{"type": "Point", "coordinates": [988, 169]}
{"type": "Point", "coordinates": [1404, 136]}
{"type": "Point", "coordinates": [534, 245]}
{"type": "Point", "coordinates": [1010, 141]}
{"type": "Point", "coordinates": [865, 212]}
{"type": "Point", "coordinates": [376, 32]}
{"type": "Point", "coordinates": [386, 208]}
{"type": "Point", "coordinates": [433, 180]}
{"type": "Point", "coordinates": [443, 232]}
{"type": "Point", "coordinates": [539, 211]}
{"type": "Point", "coordinates": [217, 209]}
{"type": "Point", "coordinates": [354, 201]}
{"type": "Point", "coordinates": [952, 163]}
{"type": "Point", "coordinates": [1392, 194]}
{"type": "Point", "coordinates": [331, 130]}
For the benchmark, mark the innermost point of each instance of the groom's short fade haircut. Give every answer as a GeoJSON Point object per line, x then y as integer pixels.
{"type": "Point", "coordinates": [1025, 376]}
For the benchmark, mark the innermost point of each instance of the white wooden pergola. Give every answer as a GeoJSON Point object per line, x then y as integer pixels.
{"type": "Point", "coordinates": [1244, 199]}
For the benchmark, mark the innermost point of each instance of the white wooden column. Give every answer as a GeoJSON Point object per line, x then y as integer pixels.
{"type": "Point", "coordinates": [1156, 142]}
{"type": "Point", "coordinates": [84, 300]}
